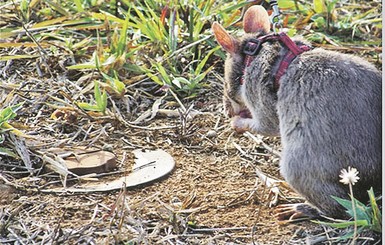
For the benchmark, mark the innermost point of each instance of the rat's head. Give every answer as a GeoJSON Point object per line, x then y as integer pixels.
{"type": "Point", "coordinates": [255, 23]}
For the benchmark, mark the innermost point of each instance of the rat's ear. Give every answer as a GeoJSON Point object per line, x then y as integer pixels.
{"type": "Point", "coordinates": [224, 39]}
{"type": "Point", "coordinates": [256, 19]}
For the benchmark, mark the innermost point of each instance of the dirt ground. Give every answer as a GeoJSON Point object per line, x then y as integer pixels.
{"type": "Point", "coordinates": [213, 196]}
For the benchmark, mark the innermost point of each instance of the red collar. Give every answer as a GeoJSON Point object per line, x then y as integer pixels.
{"type": "Point", "coordinates": [253, 46]}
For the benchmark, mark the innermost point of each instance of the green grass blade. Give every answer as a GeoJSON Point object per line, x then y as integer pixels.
{"type": "Point", "coordinates": [376, 213]}
{"type": "Point", "coordinates": [163, 73]}
{"type": "Point", "coordinates": [57, 7]}
{"type": "Point", "coordinates": [97, 94]}
{"type": "Point", "coordinates": [122, 43]}
{"type": "Point", "coordinates": [7, 152]}
{"type": "Point", "coordinates": [17, 57]}
{"type": "Point", "coordinates": [79, 6]}
{"type": "Point", "coordinates": [342, 225]}
{"type": "Point", "coordinates": [201, 64]}
{"type": "Point", "coordinates": [361, 209]}
{"type": "Point", "coordinates": [88, 107]}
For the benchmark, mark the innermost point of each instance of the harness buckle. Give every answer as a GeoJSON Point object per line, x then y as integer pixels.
{"type": "Point", "coordinates": [252, 47]}
{"type": "Point", "coordinates": [275, 17]}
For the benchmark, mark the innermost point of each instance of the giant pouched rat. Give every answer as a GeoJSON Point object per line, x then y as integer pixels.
{"type": "Point", "coordinates": [325, 105]}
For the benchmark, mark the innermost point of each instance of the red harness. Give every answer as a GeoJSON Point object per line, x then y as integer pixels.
{"type": "Point", "coordinates": [253, 46]}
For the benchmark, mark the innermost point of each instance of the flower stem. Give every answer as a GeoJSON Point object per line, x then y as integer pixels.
{"type": "Point", "coordinates": [354, 213]}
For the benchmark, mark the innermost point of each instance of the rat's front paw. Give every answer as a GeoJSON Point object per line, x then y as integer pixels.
{"type": "Point", "coordinates": [240, 125]}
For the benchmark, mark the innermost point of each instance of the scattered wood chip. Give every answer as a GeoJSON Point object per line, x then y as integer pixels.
{"type": "Point", "coordinates": [66, 114]}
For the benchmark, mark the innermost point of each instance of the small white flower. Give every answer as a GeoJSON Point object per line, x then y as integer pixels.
{"type": "Point", "coordinates": [349, 176]}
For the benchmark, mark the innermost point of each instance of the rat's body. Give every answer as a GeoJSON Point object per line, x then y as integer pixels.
{"type": "Point", "coordinates": [327, 111]}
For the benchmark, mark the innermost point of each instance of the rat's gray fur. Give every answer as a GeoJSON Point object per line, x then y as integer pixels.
{"type": "Point", "coordinates": [327, 111]}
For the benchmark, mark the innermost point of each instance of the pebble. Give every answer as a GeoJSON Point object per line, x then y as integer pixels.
{"type": "Point", "coordinates": [211, 134]}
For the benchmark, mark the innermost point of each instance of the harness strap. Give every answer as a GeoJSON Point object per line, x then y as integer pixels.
{"type": "Point", "coordinates": [253, 46]}
{"type": "Point", "coordinates": [289, 57]}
